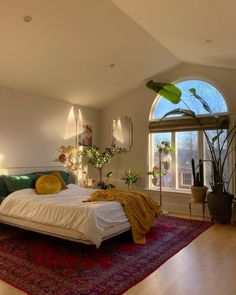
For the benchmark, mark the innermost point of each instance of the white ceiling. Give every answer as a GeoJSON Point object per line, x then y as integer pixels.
{"type": "Point", "coordinates": [186, 26]}
{"type": "Point", "coordinates": [66, 50]}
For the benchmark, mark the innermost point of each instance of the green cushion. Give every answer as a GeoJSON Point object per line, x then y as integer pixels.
{"type": "Point", "coordinates": [3, 189]}
{"type": "Point", "coordinates": [65, 175]}
{"type": "Point", "coordinates": [17, 182]}
{"type": "Point", "coordinates": [11, 183]}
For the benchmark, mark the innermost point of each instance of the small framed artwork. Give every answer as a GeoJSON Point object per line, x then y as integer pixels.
{"type": "Point", "coordinates": [85, 136]}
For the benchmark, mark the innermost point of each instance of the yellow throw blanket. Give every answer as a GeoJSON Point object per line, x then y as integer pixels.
{"type": "Point", "coordinates": [140, 209]}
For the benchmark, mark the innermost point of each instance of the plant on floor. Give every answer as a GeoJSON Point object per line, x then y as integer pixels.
{"type": "Point", "coordinates": [220, 148]}
{"type": "Point", "coordinates": [130, 178]}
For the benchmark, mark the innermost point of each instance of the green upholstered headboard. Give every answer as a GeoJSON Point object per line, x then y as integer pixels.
{"type": "Point", "coordinates": [12, 179]}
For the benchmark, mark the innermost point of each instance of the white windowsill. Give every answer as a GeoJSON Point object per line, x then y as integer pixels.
{"type": "Point", "coordinates": [187, 192]}
{"type": "Point", "coordinates": [169, 192]}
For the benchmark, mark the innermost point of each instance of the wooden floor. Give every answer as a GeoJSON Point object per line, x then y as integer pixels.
{"type": "Point", "coordinates": [206, 266]}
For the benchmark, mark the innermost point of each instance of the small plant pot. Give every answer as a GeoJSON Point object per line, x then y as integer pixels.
{"type": "Point", "coordinates": [166, 151]}
{"type": "Point", "coordinates": [166, 165]}
{"type": "Point", "coordinates": [199, 193]}
{"type": "Point", "coordinates": [155, 180]}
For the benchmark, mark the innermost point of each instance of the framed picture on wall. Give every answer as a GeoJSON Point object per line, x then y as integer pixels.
{"type": "Point", "coordinates": [85, 136]}
{"type": "Point", "coordinates": [121, 132]}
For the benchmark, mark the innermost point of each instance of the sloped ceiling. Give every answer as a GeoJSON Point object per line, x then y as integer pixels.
{"type": "Point", "coordinates": [195, 31]}
{"type": "Point", "coordinates": [89, 52]}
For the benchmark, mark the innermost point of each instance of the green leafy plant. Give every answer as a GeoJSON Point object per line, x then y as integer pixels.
{"type": "Point", "coordinates": [219, 148]}
{"type": "Point", "coordinates": [106, 185]}
{"type": "Point", "coordinates": [98, 159]}
{"type": "Point", "coordinates": [166, 165]}
{"type": "Point", "coordinates": [164, 147]}
{"type": "Point", "coordinates": [198, 177]}
{"type": "Point", "coordinates": [167, 90]}
{"type": "Point", "coordinates": [130, 178]}
{"type": "Point", "coordinates": [156, 171]}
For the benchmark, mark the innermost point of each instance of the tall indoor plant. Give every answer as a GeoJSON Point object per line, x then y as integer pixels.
{"type": "Point", "coordinates": [219, 200]}
{"type": "Point", "coordinates": [98, 159]}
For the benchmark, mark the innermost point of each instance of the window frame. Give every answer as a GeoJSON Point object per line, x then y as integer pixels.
{"type": "Point", "coordinates": [187, 124]}
{"type": "Point", "coordinates": [182, 178]}
{"type": "Point", "coordinates": [175, 175]}
{"type": "Point", "coordinates": [175, 124]}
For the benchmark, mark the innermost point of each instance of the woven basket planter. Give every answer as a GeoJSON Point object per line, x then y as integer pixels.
{"type": "Point", "coordinates": [199, 193]}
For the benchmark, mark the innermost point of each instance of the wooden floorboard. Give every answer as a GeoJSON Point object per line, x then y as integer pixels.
{"type": "Point", "coordinates": [205, 266]}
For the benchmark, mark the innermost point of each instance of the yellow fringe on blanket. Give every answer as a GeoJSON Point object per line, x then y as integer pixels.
{"type": "Point", "coordinates": [140, 209]}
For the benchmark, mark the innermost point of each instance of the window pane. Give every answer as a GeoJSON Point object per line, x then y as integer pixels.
{"type": "Point", "coordinates": [166, 161]}
{"type": "Point", "coordinates": [207, 155]}
{"type": "Point", "coordinates": [186, 149]}
{"type": "Point", "coordinates": [207, 91]}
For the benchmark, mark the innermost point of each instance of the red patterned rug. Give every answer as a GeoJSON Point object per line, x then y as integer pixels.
{"type": "Point", "coordinates": [42, 265]}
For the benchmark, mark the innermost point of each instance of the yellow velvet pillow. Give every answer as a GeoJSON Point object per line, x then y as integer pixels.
{"type": "Point", "coordinates": [47, 184]}
{"type": "Point", "coordinates": [58, 175]}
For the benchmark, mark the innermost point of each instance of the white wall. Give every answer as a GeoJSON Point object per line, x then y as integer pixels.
{"type": "Point", "coordinates": [33, 127]}
{"type": "Point", "coordinates": [137, 105]}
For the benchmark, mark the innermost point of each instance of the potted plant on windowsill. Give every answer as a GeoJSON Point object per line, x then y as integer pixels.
{"type": "Point", "coordinates": [166, 165]}
{"type": "Point", "coordinates": [155, 172]}
{"type": "Point", "coordinates": [198, 188]}
{"type": "Point", "coordinates": [165, 147]}
{"type": "Point", "coordinates": [219, 199]}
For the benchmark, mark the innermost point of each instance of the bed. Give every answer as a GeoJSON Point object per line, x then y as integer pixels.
{"type": "Point", "coordinates": [64, 214]}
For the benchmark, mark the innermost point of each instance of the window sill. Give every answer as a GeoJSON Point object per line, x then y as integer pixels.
{"type": "Point", "coordinates": [171, 191]}
{"type": "Point", "coordinates": [183, 191]}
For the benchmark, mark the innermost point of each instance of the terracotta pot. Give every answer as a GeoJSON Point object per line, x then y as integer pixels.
{"type": "Point", "coordinates": [199, 193]}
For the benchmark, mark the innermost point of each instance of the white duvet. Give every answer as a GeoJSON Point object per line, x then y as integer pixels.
{"type": "Point", "coordinates": [65, 209]}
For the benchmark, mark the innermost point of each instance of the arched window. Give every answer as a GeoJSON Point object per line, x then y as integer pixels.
{"type": "Point", "coordinates": [183, 133]}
